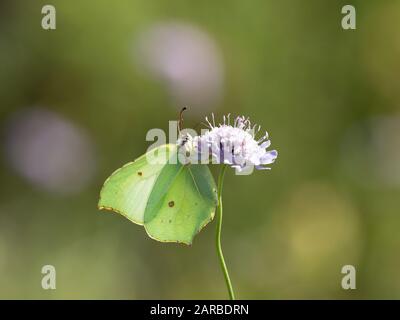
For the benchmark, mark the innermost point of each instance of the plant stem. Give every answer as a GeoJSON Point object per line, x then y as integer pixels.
{"type": "Point", "coordinates": [218, 238]}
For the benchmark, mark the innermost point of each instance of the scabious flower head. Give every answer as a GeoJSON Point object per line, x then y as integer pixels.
{"type": "Point", "coordinates": [235, 145]}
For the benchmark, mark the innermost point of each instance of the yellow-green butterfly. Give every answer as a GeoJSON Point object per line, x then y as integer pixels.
{"type": "Point", "coordinates": [171, 200]}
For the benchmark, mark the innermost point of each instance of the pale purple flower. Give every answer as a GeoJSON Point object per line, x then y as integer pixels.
{"type": "Point", "coordinates": [235, 145]}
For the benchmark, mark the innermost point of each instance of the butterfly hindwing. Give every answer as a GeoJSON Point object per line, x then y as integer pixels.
{"type": "Point", "coordinates": [182, 202]}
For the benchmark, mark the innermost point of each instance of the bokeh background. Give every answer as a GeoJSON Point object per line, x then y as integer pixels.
{"type": "Point", "coordinates": [76, 103]}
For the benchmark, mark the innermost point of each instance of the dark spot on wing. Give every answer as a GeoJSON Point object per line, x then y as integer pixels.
{"type": "Point", "coordinates": [171, 204]}
{"type": "Point", "coordinates": [140, 173]}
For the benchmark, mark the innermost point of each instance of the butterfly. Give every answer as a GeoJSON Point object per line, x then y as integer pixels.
{"type": "Point", "coordinates": [173, 201]}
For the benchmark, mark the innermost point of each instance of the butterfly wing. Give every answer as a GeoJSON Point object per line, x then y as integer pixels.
{"type": "Point", "coordinates": [182, 202]}
{"type": "Point", "coordinates": [127, 190]}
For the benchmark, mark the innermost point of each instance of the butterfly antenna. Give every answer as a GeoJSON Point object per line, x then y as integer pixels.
{"type": "Point", "coordinates": [180, 122]}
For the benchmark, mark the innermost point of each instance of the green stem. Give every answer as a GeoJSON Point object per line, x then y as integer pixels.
{"type": "Point", "coordinates": [218, 238]}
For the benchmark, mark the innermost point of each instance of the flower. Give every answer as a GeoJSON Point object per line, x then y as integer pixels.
{"type": "Point", "coordinates": [235, 145]}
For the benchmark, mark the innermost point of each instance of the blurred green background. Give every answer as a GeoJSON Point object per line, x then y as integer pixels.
{"type": "Point", "coordinates": [76, 103]}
